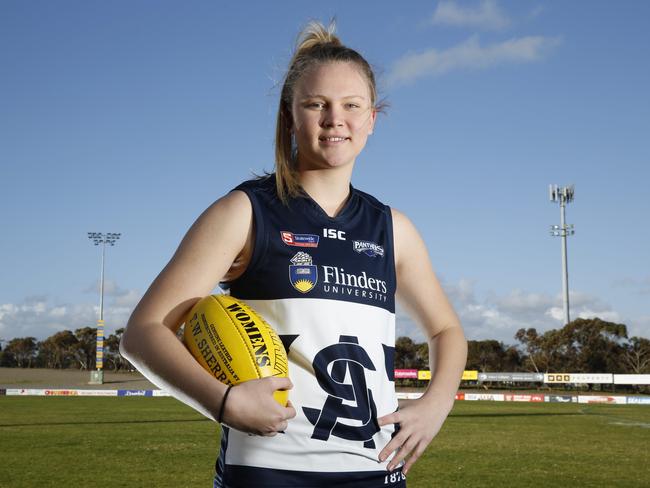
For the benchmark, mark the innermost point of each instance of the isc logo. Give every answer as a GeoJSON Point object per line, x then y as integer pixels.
{"type": "Point", "coordinates": [334, 234]}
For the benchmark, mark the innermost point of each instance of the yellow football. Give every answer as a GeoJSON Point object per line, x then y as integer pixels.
{"type": "Point", "coordinates": [234, 343]}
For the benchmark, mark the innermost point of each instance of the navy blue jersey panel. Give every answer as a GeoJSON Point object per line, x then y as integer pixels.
{"type": "Point", "coordinates": [301, 252]}
{"type": "Point", "coordinates": [260, 243]}
{"type": "Point", "coordinates": [220, 465]}
{"type": "Point", "coordinates": [249, 477]}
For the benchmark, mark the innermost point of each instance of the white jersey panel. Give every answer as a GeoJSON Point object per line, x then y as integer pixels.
{"type": "Point", "coordinates": [338, 355]}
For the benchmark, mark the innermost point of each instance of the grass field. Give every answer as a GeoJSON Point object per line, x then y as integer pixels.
{"type": "Point", "coordinates": [143, 442]}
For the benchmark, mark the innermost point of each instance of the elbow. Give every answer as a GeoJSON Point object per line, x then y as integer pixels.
{"type": "Point", "coordinates": [124, 346]}
{"type": "Point", "coordinates": [460, 337]}
{"type": "Point", "coordinates": [462, 344]}
{"type": "Point", "coordinates": [452, 330]}
{"type": "Point", "coordinates": [127, 343]}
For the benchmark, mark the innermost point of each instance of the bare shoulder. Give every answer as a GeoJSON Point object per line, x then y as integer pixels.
{"type": "Point", "coordinates": [218, 236]}
{"type": "Point", "coordinates": [406, 237]}
{"type": "Point", "coordinates": [235, 200]}
{"type": "Point", "coordinates": [234, 206]}
{"type": "Point", "coordinates": [220, 232]}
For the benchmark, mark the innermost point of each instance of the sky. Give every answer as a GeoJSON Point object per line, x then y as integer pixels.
{"type": "Point", "coordinates": [133, 117]}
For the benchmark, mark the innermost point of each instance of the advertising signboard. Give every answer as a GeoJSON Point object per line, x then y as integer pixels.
{"type": "Point", "coordinates": [97, 393]}
{"type": "Point", "coordinates": [523, 377]}
{"type": "Point", "coordinates": [557, 378]}
{"type": "Point", "coordinates": [602, 399]}
{"type": "Point", "coordinates": [495, 397]}
{"type": "Point", "coordinates": [638, 400]}
{"type": "Point", "coordinates": [470, 375]}
{"type": "Point", "coordinates": [511, 397]}
{"type": "Point", "coordinates": [561, 398]}
{"type": "Point", "coordinates": [592, 378]}
{"type": "Point", "coordinates": [402, 395]}
{"type": "Point", "coordinates": [147, 393]}
{"type": "Point", "coordinates": [424, 375]}
{"type": "Point", "coordinates": [406, 374]}
{"type": "Point", "coordinates": [24, 392]}
{"type": "Point", "coordinates": [60, 392]}
{"type": "Point", "coordinates": [578, 378]}
{"type": "Point", "coordinates": [632, 379]}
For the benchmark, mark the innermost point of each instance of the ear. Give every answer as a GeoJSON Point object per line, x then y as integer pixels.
{"type": "Point", "coordinates": [373, 118]}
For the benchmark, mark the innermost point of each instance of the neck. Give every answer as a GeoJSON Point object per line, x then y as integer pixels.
{"type": "Point", "coordinates": [329, 188]}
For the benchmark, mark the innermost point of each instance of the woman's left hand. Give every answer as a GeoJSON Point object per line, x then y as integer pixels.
{"type": "Point", "coordinates": [419, 421]}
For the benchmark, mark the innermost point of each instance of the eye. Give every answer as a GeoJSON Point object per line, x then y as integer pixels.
{"type": "Point", "coordinates": [316, 105]}
{"type": "Point", "coordinates": [352, 105]}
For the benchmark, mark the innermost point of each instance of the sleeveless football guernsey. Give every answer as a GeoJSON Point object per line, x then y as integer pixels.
{"type": "Point", "coordinates": [327, 286]}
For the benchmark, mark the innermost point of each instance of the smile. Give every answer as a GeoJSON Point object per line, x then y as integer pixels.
{"type": "Point", "coordinates": [333, 139]}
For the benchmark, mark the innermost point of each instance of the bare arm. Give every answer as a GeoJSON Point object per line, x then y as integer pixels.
{"type": "Point", "coordinates": [218, 238]}
{"type": "Point", "coordinates": [419, 291]}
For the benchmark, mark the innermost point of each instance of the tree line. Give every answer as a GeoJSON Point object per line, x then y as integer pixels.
{"type": "Point", "coordinates": [582, 346]}
{"type": "Point", "coordinates": [64, 350]}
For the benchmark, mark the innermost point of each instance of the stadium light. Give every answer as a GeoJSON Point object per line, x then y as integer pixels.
{"type": "Point", "coordinates": [563, 195]}
{"type": "Point", "coordinates": [97, 376]}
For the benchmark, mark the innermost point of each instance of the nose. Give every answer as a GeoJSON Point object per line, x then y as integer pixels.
{"type": "Point", "coordinates": [332, 117]}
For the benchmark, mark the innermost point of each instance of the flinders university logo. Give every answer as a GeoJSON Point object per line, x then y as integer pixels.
{"type": "Point", "coordinates": [302, 274]}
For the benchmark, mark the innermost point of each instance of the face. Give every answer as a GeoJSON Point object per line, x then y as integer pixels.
{"type": "Point", "coordinates": [332, 115]}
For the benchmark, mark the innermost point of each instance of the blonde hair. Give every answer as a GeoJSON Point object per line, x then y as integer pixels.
{"type": "Point", "coordinates": [316, 44]}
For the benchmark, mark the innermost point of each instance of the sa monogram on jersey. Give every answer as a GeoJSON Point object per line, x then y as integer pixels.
{"type": "Point", "coordinates": [348, 360]}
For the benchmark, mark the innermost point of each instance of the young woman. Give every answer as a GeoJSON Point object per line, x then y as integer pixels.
{"type": "Point", "coordinates": [323, 263]}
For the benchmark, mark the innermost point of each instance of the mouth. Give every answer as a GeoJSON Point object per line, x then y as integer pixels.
{"type": "Point", "coordinates": [333, 139]}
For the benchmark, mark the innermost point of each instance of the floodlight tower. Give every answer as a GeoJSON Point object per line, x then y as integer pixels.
{"type": "Point", "coordinates": [563, 195]}
{"type": "Point", "coordinates": [97, 376]}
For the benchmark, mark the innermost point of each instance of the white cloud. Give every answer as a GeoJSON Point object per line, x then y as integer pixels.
{"type": "Point", "coordinates": [122, 298]}
{"type": "Point", "coordinates": [129, 299]}
{"type": "Point", "coordinates": [486, 15]}
{"type": "Point", "coordinates": [463, 291]}
{"type": "Point", "coordinates": [607, 315]}
{"type": "Point", "coordinates": [584, 312]}
{"type": "Point", "coordinates": [639, 327]}
{"type": "Point", "coordinates": [58, 311]}
{"type": "Point", "coordinates": [40, 318]}
{"type": "Point", "coordinates": [556, 313]}
{"type": "Point", "coordinates": [405, 326]}
{"type": "Point", "coordinates": [110, 288]}
{"type": "Point", "coordinates": [469, 55]}
{"type": "Point", "coordinates": [499, 317]}
{"type": "Point", "coordinates": [524, 304]}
